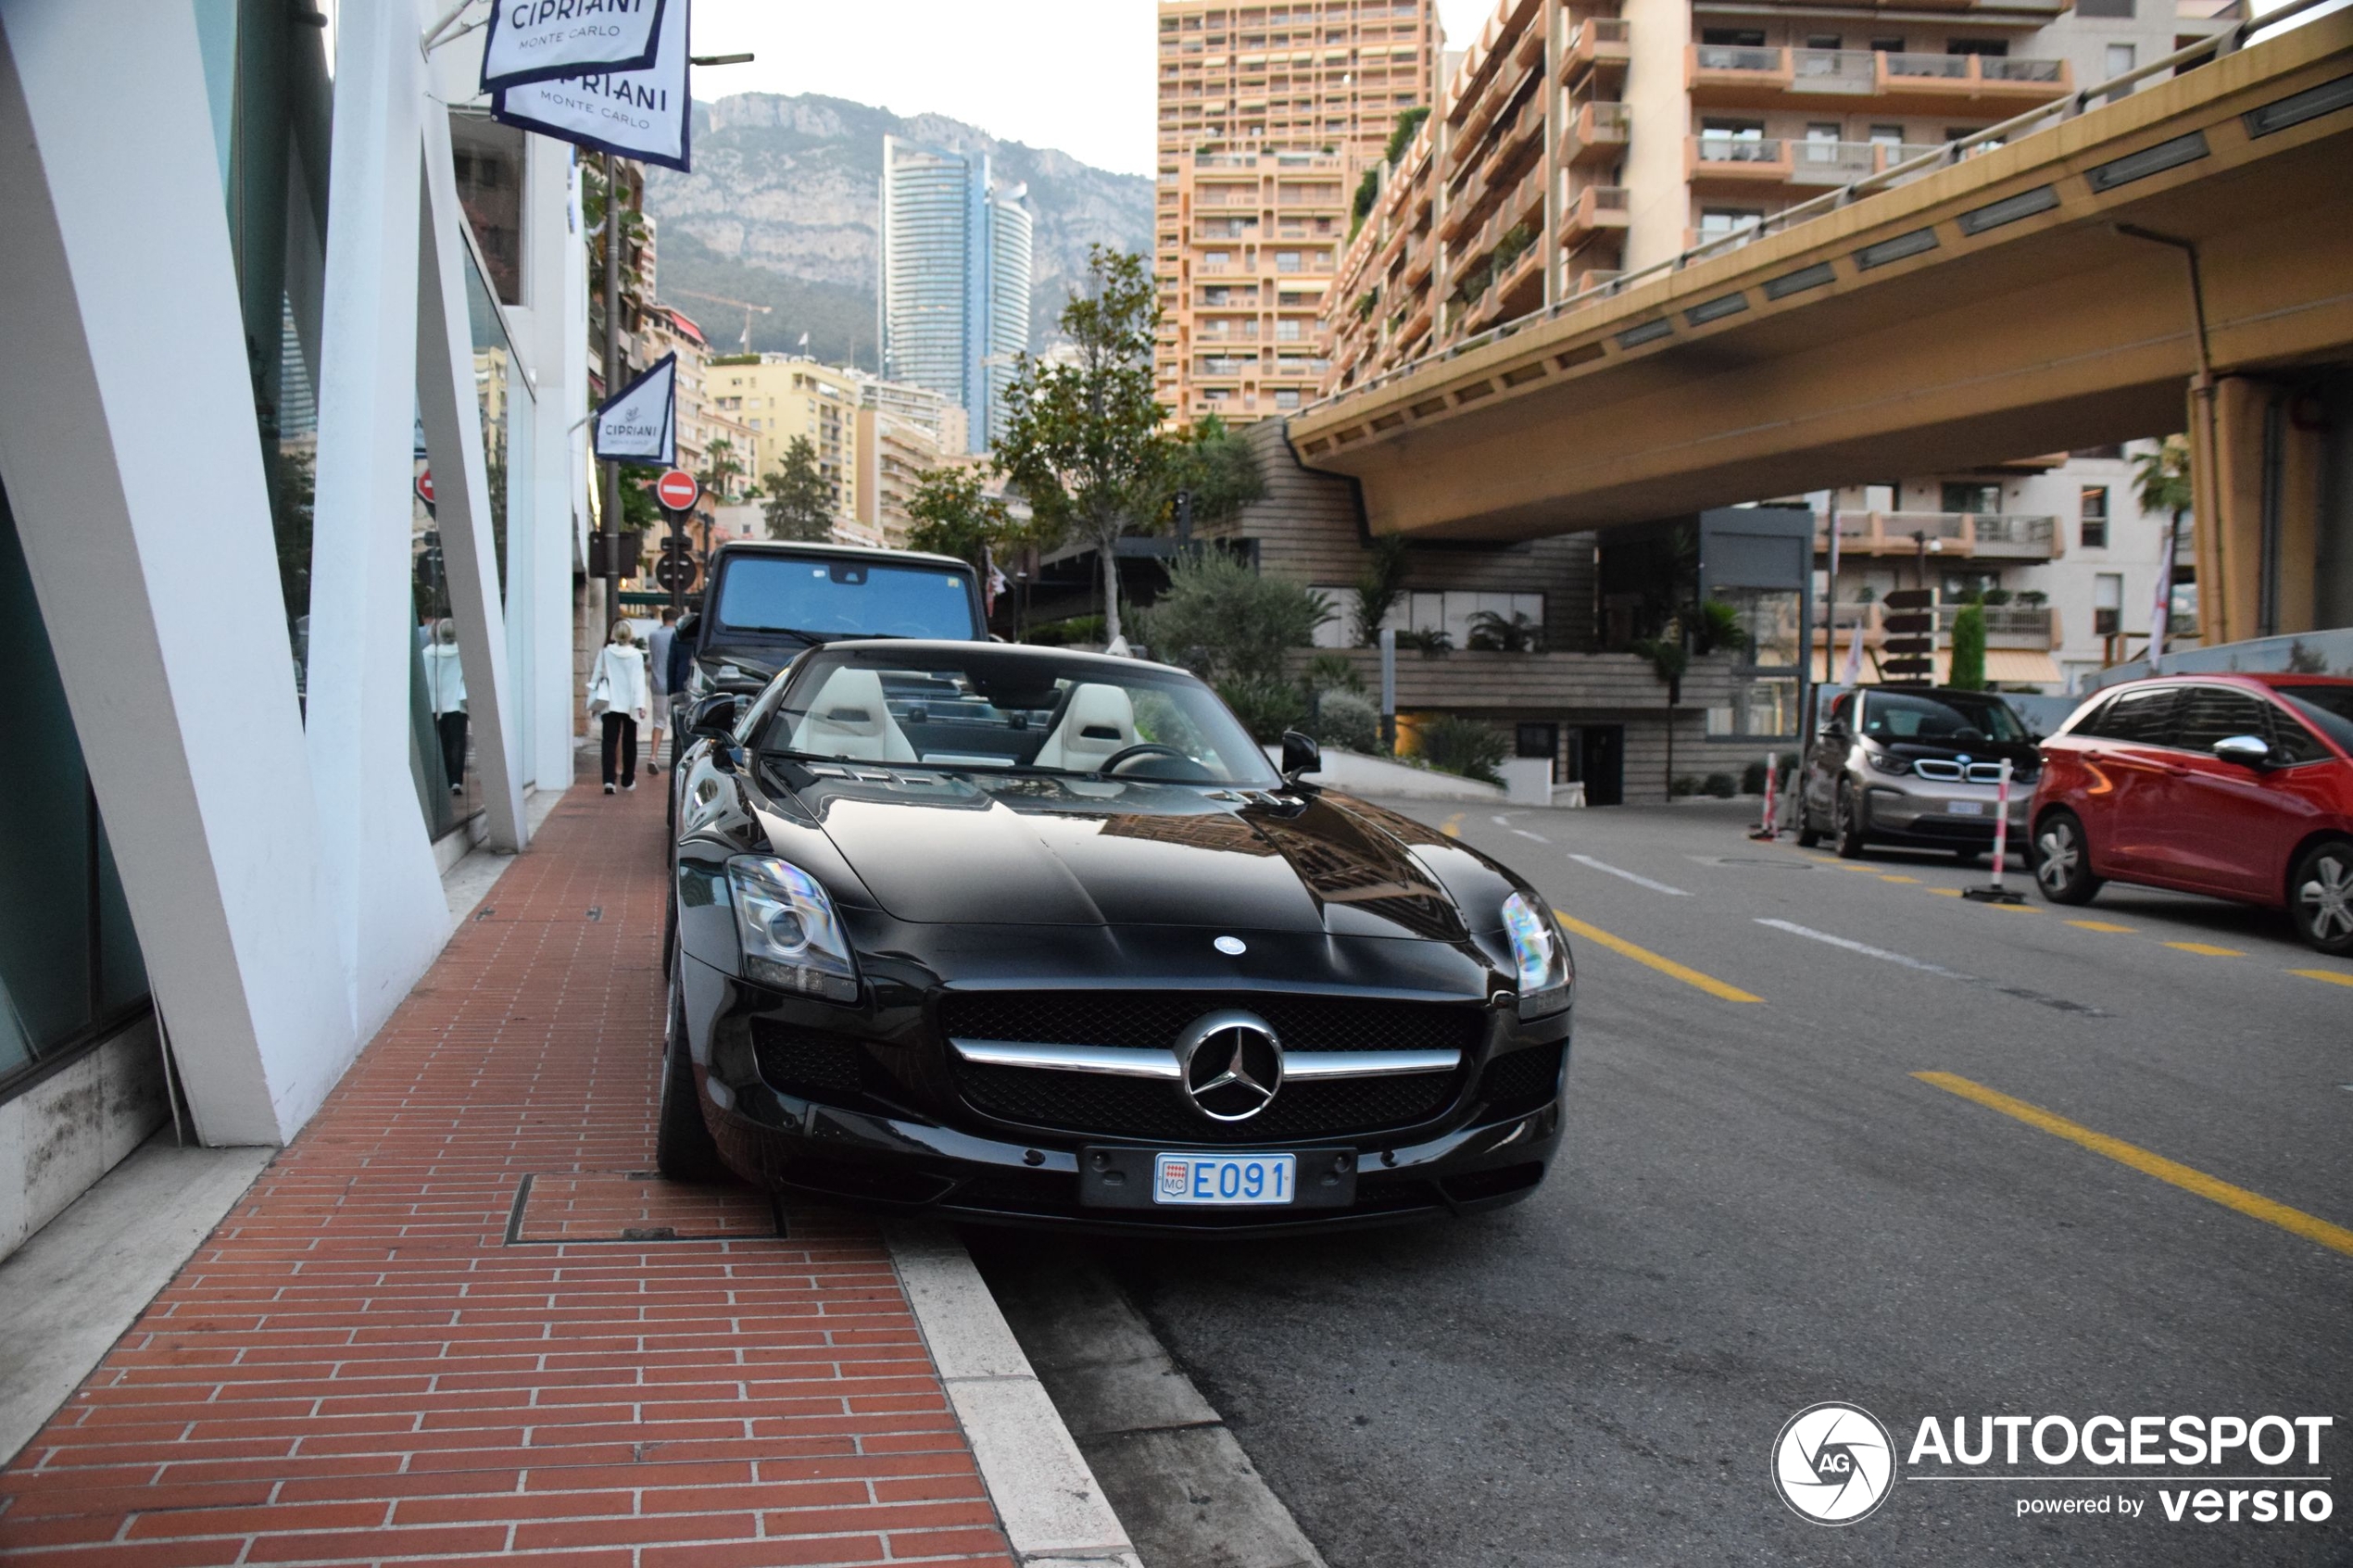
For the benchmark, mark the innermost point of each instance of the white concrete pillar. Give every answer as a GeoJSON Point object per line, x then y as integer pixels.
{"type": "Point", "coordinates": [555, 283]}
{"type": "Point", "coordinates": [390, 914]}
{"type": "Point", "coordinates": [447, 399]}
{"type": "Point", "coordinates": [134, 470]}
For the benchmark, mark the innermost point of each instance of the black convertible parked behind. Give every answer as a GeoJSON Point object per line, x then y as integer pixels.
{"type": "Point", "coordinates": [1041, 936]}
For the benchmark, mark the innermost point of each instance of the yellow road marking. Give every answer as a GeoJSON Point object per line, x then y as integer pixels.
{"type": "Point", "coordinates": [2098, 925]}
{"type": "Point", "coordinates": [2252, 1204]}
{"type": "Point", "coordinates": [2017, 908]}
{"type": "Point", "coordinates": [1946, 892]}
{"type": "Point", "coordinates": [1899, 879]}
{"type": "Point", "coordinates": [1452, 826]}
{"type": "Point", "coordinates": [2332, 976]}
{"type": "Point", "coordinates": [2208, 949]}
{"type": "Point", "coordinates": [1707, 983]}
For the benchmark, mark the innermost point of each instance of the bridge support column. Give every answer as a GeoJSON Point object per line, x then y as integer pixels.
{"type": "Point", "coordinates": [2257, 470]}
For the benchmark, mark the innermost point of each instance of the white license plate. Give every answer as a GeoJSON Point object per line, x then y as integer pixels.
{"type": "Point", "coordinates": [1965, 807]}
{"type": "Point", "coordinates": [1224, 1180]}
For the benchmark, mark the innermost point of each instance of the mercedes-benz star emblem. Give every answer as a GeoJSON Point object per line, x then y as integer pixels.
{"type": "Point", "coordinates": [1232, 1064]}
{"type": "Point", "coordinates": [1232, 947]}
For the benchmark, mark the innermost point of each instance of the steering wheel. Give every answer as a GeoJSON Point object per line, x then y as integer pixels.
{"type": "Point", "coordinates": [1143, 749]}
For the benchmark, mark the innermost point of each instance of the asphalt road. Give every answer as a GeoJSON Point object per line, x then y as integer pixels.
{"type": "Point", "coordinates": [1760, 1207]}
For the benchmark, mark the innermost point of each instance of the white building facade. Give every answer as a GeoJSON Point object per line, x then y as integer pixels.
{"type": "Point", "coordinates": [264, 275]}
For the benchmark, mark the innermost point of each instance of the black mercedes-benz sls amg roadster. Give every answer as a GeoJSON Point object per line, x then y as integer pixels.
{"type": "Point", "coordinates": [1036, 936]}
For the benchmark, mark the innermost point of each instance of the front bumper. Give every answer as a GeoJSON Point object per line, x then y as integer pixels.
{"type": "Point", "coordinates": [1915, 810]}
{"type": "Point", "coordinates": [899, 1136]}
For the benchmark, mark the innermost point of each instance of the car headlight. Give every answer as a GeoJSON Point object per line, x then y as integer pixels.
{"type": "Point", "coordinates": [1539, 954]}
{"type": "Point", "coordinates": [1886, 761]}
{"type": "Point", "coordinates": [791, 938]}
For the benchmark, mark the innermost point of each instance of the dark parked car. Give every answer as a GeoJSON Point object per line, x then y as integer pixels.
{"type": "Point", "coordinates": [768, 601]}
{"type": "Point", "coordinates": [2236, 785]}
{"type": "Point", "coordinates": [1916, 768]}
{"type": "Point", "coordinates": [1041, 936]}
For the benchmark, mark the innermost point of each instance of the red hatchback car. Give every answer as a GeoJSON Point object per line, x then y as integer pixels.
{"type": "Point", "coordinates": [2236, 785]}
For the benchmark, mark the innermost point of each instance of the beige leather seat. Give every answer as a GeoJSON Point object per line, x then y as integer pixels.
{"type": "Point", "coordinates": [1098, 722]}
{"type": "Point", "coordinates": [848, 718]}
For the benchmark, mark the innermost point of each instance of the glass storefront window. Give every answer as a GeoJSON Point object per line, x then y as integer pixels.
{"type": "Point", "coordinates": [1765, 682]}
{"type": "Point", "coordinates": [70, 962]}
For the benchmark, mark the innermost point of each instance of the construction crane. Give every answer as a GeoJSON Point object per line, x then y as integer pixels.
{"type": "Point", "coordinates": [746, 306]}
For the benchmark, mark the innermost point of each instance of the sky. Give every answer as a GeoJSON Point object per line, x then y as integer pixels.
{"type": "Point", "coordinates": [1072, 74]}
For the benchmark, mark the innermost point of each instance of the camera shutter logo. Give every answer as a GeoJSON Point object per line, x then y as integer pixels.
{"type": "Point", "coordinates": [1833, 1463]}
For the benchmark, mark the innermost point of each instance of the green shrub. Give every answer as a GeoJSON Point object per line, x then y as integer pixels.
{"type": "Point", "coordinates": [1265, 708]}
{"type": "Point", "coordinates": [1224, 621]}
{"type": "Point", "coordinates": [1724, 787]}
{"type": "Point", "coordinates": [1333, 672]}
{"type": "Point", "coordinates": [1753, 779]}
{"type": "Point", "coordinates": [1061, 633]}
{"type": "Point", "coordinates": [1348, 721]}
{"type": "Point", "coordinates": [1455, 744]}
{"type": "Point", "coordinates": [1430, 640]}
{"type": "Point", "coordinates": [1684, 785]}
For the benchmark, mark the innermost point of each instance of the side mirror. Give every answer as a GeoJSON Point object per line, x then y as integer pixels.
{"type": "Point", "coordinates": [715, 717]}
{"type": "Point", "coordinates": [1300, 755]}
{"type": "Point", "coordinates": [2247, 751]}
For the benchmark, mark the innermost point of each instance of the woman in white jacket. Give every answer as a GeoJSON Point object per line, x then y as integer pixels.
{"type": "Point", "coordinates": [445, 692]}
{"type": "Point", "coordinates": [620, 694]}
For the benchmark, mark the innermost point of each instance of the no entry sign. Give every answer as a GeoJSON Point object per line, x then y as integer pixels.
{"type": "Point", "coordinates": [677, 490]}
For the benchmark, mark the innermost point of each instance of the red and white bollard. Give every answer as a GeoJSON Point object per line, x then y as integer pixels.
{"type": "Point", "coordinates": [1996, 893]}
{"type": "Point", "coordinates": [1764, 829]}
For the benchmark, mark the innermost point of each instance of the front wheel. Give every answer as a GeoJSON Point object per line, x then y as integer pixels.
{"type": "Point", "coordinates": [2063, 861]}
{"type": "Point", "coordinates": [1847, 825]}
{"type": "Point", "coordinates": [2319, 897]}
{"type": "Point", "coordinates": [684, 1149]}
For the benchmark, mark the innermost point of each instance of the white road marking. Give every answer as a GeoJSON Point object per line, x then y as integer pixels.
{"type": "Point", "coordinates": [1865, 948]}
{"type": "Point", "coordinates": [1537, 836]}
{"type": "Point", "coordinates": [1923, 966]}
{"type": "Point", "coordinates": [1637, 880]}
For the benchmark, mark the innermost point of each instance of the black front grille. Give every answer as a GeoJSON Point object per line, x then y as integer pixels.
{"type": "Point", "coordinates": [1522, 1081]}
{"type": "Point", "coordinates": [1092, 1104]}
{"type": "Point", "coordinates": [1153, 1019]}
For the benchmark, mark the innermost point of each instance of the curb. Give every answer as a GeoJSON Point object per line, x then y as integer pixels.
{"type": "Point", "coordinates": [1054, 1510]}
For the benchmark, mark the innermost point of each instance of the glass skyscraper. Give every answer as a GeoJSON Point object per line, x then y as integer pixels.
{"type": "Point", "coordinates": [956, 263]}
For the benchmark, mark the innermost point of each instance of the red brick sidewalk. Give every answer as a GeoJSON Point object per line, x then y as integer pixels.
{"type": "Point", "coordinates": [457, 1320]}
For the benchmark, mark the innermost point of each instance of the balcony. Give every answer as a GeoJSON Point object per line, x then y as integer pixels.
{"type": "Point", "coordinates": [2007, 626]}
{"type": "Point", "coordinates": [1979, 535]}
{"type": "Point", "coordinates": [1596, 134]}
{"type": "Point", "coordinates": [1598, 45]}
{"type": "Point", "coordinates": [1593, 209]}
{"type": "Point", "coordinates": [1982, 85]}
{"type": "Point", "coordinates": [2001, 536]}
{"type": "Point", "coordinates": [1842, 163]}
{"type": "Point", "coordinates": [1736, 160]}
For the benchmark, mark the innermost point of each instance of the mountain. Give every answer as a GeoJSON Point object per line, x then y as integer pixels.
{"type": "Point", "coordinates": [782, 207]}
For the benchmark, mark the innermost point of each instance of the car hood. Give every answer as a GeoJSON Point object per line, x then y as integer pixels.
{"type": "Point", "coordinates": [939, 849]}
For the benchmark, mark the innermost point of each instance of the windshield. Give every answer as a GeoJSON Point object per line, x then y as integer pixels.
{"type": "Point", "coordinates": [998, 709]}
{"type": "Point", "coordinates": [1944, 719]}
{"type": "Point", "coordinates": [2327, 709]}
{"type": "Point", "coordinates": [833, 597]}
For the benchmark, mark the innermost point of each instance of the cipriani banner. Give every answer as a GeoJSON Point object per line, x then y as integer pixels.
{"type": "Point", "coordinates": [640, 114]}
{"type": "Point", "coordinates": [540, 39]}
{"type": "Point", "coordinates": [639, 423]}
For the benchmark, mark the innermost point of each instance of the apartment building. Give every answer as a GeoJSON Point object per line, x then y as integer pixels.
{"type": "Point", "coordinates": [1268, 114]}
{"type": "Point", "coordinates": [780, 396]}
{"type": "Point", "coordinates": [1578, 142]}
{"type": "Point", "coordinates": [703, 424]}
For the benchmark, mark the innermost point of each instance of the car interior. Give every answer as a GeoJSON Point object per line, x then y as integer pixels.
{"type": "Point", "coordinates": [942, 719]}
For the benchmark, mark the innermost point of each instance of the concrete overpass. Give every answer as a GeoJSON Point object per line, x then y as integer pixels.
{"type": "Point", "coordinates": [2017, 300]}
